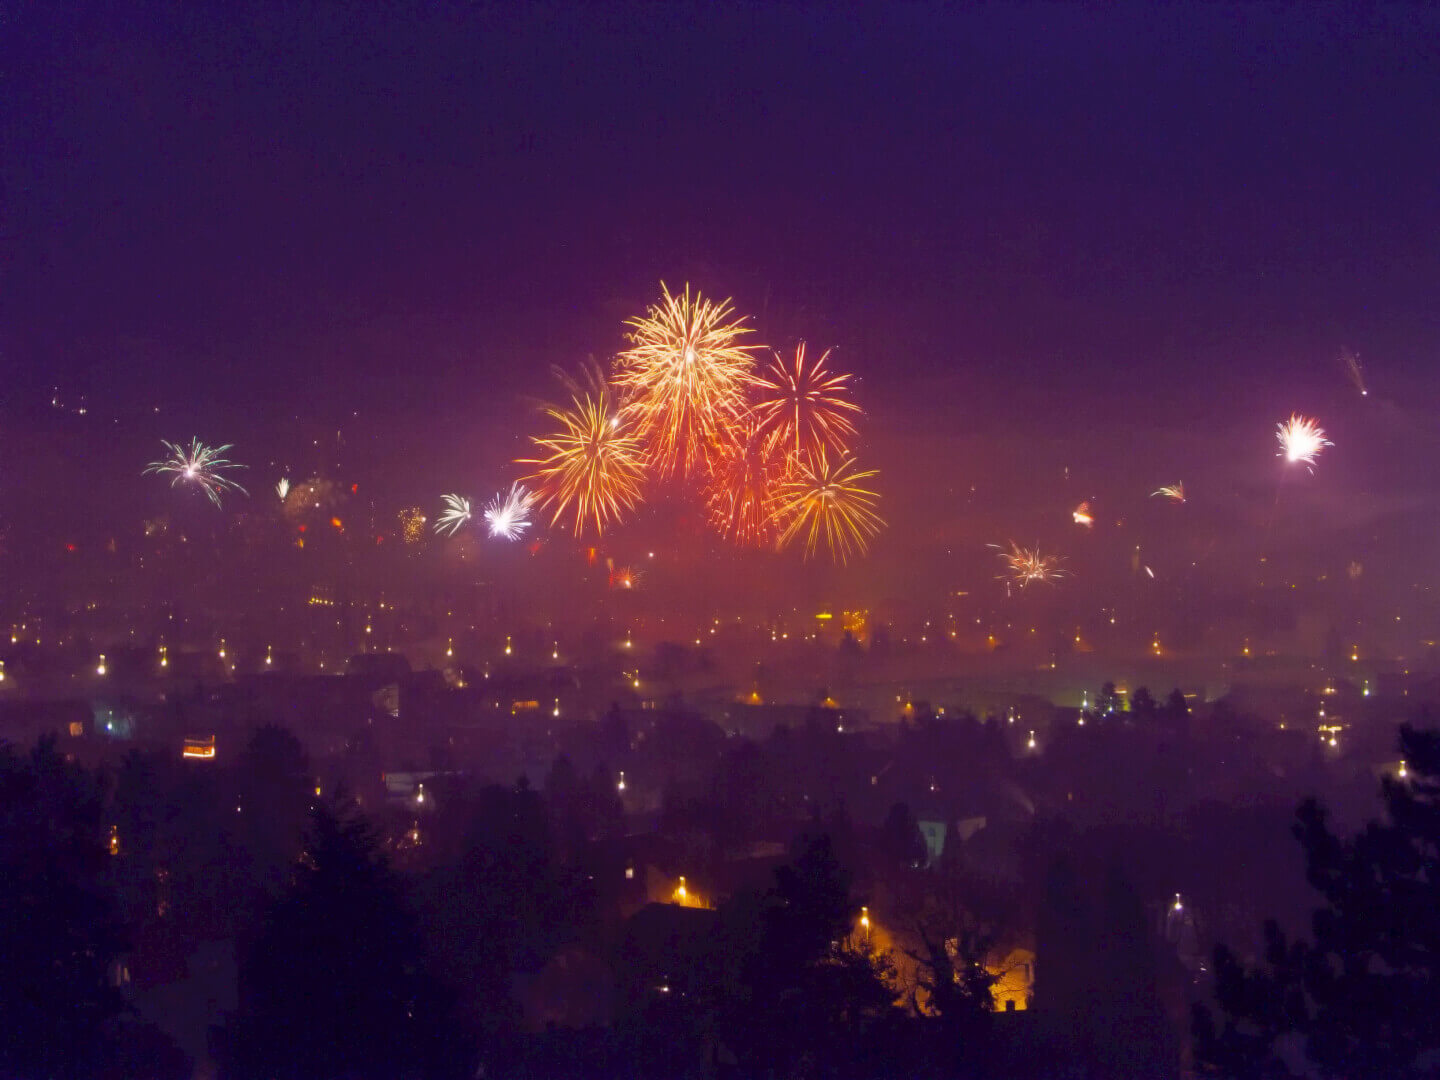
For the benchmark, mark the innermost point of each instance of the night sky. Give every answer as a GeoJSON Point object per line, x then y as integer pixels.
{"type": "Point", "coordinates": [1123, 239]}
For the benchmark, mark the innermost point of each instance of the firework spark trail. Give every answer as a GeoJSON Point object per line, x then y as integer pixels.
{"type": "Point", "coordinates": [454, 517]}
{"type": "Point", "coordinates": [740, 493]}
{"type": "Point", "coordinates": [684, 380]}
{"type": "Point", "coordinates": [625, 577]}
{"type": "Point", "coordinates": [1301, 440]}
{"type": "Point", "coordinates": [282, 487]}
{"type": "Point", "coordinates": [827, 500]}
{"type": "Point", "coordinates": [1174, 491]}
{"type": "Point", "coordinates": [198, 464]}
{"type": "Point", "coordinates": [508, 514]}
{"type": "Point", "coordinates": [805, 409]}
{"type": "Point", "coordinates": [1356, 373]}
{"type": "Point", "coordinates": [412, 524]}
{"type": "Point", "coordinates": [1082, 515]}
{"type": "Point", "coordinates": [1025, 565]}
{"type": "Point", "coordinates": [594, 465]}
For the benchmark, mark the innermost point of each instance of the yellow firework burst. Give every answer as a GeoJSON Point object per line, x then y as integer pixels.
{"type": "Point", "coordinates": [825, 499]}
{"type": "Point", "coordinates": [1025, 565]}
{"type": "Point", "coordinates": [684, 379]}
{"type": "Point", "coordinates": [594, 464]}
{"type": "Point", "coordinates": [746, 476]}
{"type": "Point", "coordinates": [805, 408]}
{"type": "Point", "coordinates": [1174, 492]}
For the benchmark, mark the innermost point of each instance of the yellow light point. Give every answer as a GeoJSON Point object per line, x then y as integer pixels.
{"type": "Point", "coordinates": [1030, 743]}
{"type": "Point", "coordinates": [508, 647]}
{"type": "Point", "coordinates": [114, 840]}
{"type": "Point", "coordinates": [1402, 773]}
{"type": "Point", "coordinates": [100, 667]}
{"type": "Point", "coordinates": [680, 893]}
{"type": "Point", "coordinates": [620, 786]}
{"type": "Point", "coordinates": [1355, 653]}
{"type": "Point", "coordinates": [450, 647]}
{"type": "Point", "coordinates": [865, 921]}
{"type": "Point", "coordinates": [1082, 516]}
{"type": "Point", "coordinates": [1177, 906]}
{"type": "Point", "coordinates": [594, 466]}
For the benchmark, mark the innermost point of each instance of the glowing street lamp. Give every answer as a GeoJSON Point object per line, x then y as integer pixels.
{"type": "Point", "coordinates": [100, 667]}
{"type": "Point", "coordinates": [865, 923]}
{"type": "Point", "coordinates": [1030, 743]}
{"type": "Point", "coordinates": [680, 894]}
{"type": "Point", "coordinates": [621, 785]}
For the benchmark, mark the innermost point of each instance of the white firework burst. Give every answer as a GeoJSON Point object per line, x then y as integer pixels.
{"type": "Point", "coordinates": [508, 514]}
{"type": "Point", "coordinates": [455, 515]}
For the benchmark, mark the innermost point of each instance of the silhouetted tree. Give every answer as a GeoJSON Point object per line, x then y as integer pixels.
{"type": "Point", "coordinates": [901, 838]}
{"type": "Point", "coordinates": [1176, 707]}
{"type": "Point", "coordinates": [1142, 703]}
{"type": "Point", "coordinates": [1359, 1001]}
{"type": "Point", "coordinates": [1108, 700]}
{"type": "Point", "coordinates": [812, 998]}
{"type": "Point", "coordinates": [336, 985]}
{"type": "Point", "coordinates": [59, 934]}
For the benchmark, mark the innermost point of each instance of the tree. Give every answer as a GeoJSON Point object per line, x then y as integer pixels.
{"type": "Point", "coordinates": [901, 838]}
{"type": "Point", "coordinates": [59, 931]}
{"type": "Point", "coordinates": [1109, 700]}
{"type": "Point", "coordinates": [1143, 704]}
{"type": "Point", "coordinates": [1176, 708]}
{"type": "Point", "coordinates": [335, 986]}
{"type": "Point", "coordinates": [811, 999]}
{"type": "Point", "coordinates": [1359, 1000]}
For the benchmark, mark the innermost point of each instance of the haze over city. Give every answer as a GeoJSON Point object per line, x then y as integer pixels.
{"type": "Point", "coordinates": [806, 464]}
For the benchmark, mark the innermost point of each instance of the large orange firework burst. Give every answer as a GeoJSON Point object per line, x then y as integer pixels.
{"type": "Point", "coordinates": [825, 499]}
{"type": "Point", "coordinates": [684, 379]}
{"type": "Point", "coordinates": [594, 465]}
{"type": "Point", "coordinates": [805, 408]}
{"type": "Point", "coordinates": [746, 476]}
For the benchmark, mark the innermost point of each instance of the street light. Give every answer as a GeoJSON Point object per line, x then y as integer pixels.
{"type": "Point", "coordinates": [865, 923]}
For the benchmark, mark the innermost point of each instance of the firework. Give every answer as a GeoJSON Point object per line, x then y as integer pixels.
{"type": "Point", "coordinates": [508, 514]}
{"type": "Point", "coordinates": [594, 465]}
{"type": "Point", "coordinates": [805, 408]}
{"type": "Point", "coordinates": [824, 499]}
{"type": "Point", "coordinates": [1301, 439]}
{"type": "Point", "coordinates": [283, 488]}
{"type": "Point", "coordinates": [1025, 565]}
{"type": "Point", "coordinates": [740, 492]}
{"type": "Point", "coordinates": [455, 515]}
{"type": "Point", "coordinates": [412, 524]}
{"type": "Point", "coordinates": [1353, 369]}
{"type": "Point", "coordinates": [625, 577]}
{"type": "Point", "coordinates": [685, 379]}
{"type": "Point", "coordinates": [199, 464]}
{"type": "Point", "coordinates": [1175, 492]}
{"type": "Point", "coordinates": [1082, 515]}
